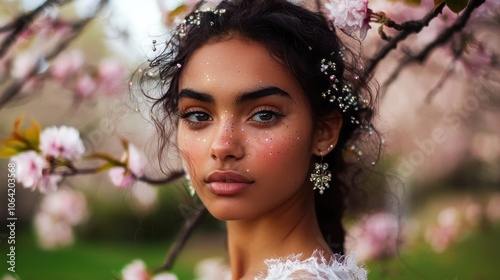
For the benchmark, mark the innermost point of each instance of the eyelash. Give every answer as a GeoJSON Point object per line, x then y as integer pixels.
{"type": "Point", "coordinates": [277, 115]}
{"type": "Point", "coordinates": [185, 117]}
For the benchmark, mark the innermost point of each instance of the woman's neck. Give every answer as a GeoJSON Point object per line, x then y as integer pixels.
{"type": "Point", "coordinates": [289, 229]}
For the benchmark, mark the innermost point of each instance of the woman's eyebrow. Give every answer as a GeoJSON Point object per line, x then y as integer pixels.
{"type": "Point", "coordinates": [242, 98]}
{"type": "Point", "coordinates": [248, 96]}
{"type": "Point", "coordinates": [200, 96]}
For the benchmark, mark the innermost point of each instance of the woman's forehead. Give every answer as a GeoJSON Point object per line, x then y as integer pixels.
{"type": "Point", "coordinates": [235, 64]}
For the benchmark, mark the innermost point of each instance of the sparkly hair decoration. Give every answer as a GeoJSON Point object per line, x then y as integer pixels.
{"type": "Point", "coordinates": [336, 92]}
{"type": "Point", "coordinates": [194, 19]}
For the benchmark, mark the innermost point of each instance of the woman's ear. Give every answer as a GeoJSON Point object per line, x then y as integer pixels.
{"type": "Point", "coordinates": [327, 133]}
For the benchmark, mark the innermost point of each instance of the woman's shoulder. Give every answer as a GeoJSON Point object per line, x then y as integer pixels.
{"type": "Point", "coordinates": [315, 267]}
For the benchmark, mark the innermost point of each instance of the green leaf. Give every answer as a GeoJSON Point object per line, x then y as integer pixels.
{"type": "Point", "coordinates": [32, 134]}
{"type": "Point", "coordinates": [413, 2]}
{"type": "Point", "coordinates": [7, 152]}
{"type": "Point", "coordinates": [105, 167]}
{"type": "Point", "coordinates": [456, 5]}
{"type": "Point", "coordinates": [438, 3]}
{"type": "Point", "coordinates": [105, 157]}
{"type": "Point", "coordinates": [28, 139]}
{"type": "Point", "coordinates": [15, 143]}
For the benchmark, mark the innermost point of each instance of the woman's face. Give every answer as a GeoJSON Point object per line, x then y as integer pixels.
{"type": "Point", "coordinates": [245, 130]}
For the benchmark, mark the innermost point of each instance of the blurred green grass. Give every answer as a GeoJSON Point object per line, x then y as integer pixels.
{"type": "Point", "coordinates": [474, 257]}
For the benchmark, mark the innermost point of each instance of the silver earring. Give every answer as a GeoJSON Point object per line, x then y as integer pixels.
{"type": "Point", "coordinates": [191, 190]}
{"type": "Point", "coordinates": [321, 176]}
{"type": "Point", "coordinates": [190, 187]}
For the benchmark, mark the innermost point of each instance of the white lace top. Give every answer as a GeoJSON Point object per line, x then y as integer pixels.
{"type": "Point", "coordinates": [316, 267]}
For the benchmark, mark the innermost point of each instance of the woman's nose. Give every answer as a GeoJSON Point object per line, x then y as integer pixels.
{"type": "Point", "coordinates": [226, 144]}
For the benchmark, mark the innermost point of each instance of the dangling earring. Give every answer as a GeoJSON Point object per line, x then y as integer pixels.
{"type": "Point", "coordinates": [321, 176]}
{"type": "Point", "coordinates": [190, 187]}
{"type": "Point", "coordinates": [191, 190]}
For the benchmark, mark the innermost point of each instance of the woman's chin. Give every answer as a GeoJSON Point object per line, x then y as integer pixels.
{"type": "Point", "coordinates": [230, 211]}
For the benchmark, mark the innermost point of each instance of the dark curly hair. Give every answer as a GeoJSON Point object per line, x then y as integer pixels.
{"type": "Point", "coordinates": [301, 39]}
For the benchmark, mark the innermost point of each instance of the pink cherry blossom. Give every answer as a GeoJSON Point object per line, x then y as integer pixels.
{"type": "Point", "coordinates": [111, 77]}
{"type": "Point", "coordinates": [164, 276]}
{"type": "Point", "coordinates": [212, 268]}
{"type": "Point", "coordinates": [135, 271]}
{"type": "Point", "coordinates": [67, 205]}
{"type": "Point", "coordinates": [67, 64]}
{"type": "Point", "coordinates": [121, 177]}
{"type": "Point", "coordinates": [349, 15]}
{"type": "Point", "coordinates": [52, 232]}
{"type": "Point", "coordinates": [124, 177]}
{"type": "Point", "coordinates": [85, 86]}
{"type": "Point", "coordinates": [23, 64]}
{"type": "Point", "coordinates": [145, 196]}
{"type": "Point", "coordinates": [29, 168]}
{"type": "Point", "coordinates": [488, 9]}
{"type": "Point", "coordinates": [62, 142]}
{"type": "Point", "coordinates": [442, 235]}
{"type": "Point", "coordinates": [476, 60]}
{"type": "Point", "coordinates": [376, 237]}
{"type": "Point", "coordinates": [49, 182]}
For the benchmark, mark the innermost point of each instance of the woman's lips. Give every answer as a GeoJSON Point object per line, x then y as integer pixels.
{"type": "Point", "coordinates": [227, 182]}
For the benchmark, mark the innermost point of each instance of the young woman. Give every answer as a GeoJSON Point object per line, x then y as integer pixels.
{"type": "Point", "coordinates": [267, 103]}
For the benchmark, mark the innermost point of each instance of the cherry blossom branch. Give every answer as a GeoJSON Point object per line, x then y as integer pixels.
{"type": "Point", "coordinates": [73, 171]}
{"type": "Point", "coordinates": [182, 238]}
{"type": "Point", "coordinates": [441, 39]}
{"type": "Point", "coordinates": [409, 27]}
{"type": "Point", "coordinates": [440, 83]}
{"type": "Point", "coordinates": [22, 23]}
{"type": "Point", "coordinates": [77, 27]}
{"type": "Point", "coordinates": [176, 175]}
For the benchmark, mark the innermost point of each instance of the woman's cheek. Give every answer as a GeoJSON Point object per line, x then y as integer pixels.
{"type": "Point", "coordinates": [271, 151]}
{"type": "Point", "coordinates": [192, 148]}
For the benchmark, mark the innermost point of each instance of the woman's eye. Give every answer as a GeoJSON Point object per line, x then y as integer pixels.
{"type": "Point", "coordinates": [265, 116]}
{"type": "Point", "coordinates": [196, 117]}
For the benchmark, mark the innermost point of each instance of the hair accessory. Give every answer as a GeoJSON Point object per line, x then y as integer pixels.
{"type": "Point", "coordinates": [321, 176]}
{"type": "Point", "coordinates": [341, 94]}
{"type": "Point", "coordinates": [195, 19]}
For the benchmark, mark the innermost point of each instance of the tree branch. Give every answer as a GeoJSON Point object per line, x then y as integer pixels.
{"type": "Point", "coordinates": [441, 39]}
{"type": "Point", "coordinates": [440, 83]}
{"type": "Point", "coordinates": [182, 238]}
{"type": "Point", "coordinates": [176, 175]}
{"type": "Point", "coordinates": [77, 27]}
{"type": "Point", "coordinates": [73, 171]}
{"type": "Point", "coordinates": [21, 24]}
{"type": "Point", "coordinates": [410, 27]}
